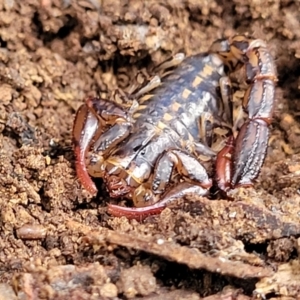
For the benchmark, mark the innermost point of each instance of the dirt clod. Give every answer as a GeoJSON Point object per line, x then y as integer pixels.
{"type": "Point", "coordinates": [137, 280]}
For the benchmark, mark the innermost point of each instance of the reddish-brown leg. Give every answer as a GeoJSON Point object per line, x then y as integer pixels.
{"type": "Point", "coordinates": [223, 166]}
{"type": "Point", "coordinates": [186, 165]}
{"type": "Point", "coordinates": [140, 213]}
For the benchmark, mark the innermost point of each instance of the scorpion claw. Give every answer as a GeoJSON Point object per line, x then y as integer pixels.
{"type": "Point", "coordinates": [250, 151]}
{"type": "Point", "coordinates": [85, 126]}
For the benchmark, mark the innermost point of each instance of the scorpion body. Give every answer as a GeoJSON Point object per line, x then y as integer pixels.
{"type": "Point", "coordinates": [136, 151]}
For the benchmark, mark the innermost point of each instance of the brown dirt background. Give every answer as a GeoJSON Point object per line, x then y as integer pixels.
{"type": "Point", "coordinates": [55, 53]}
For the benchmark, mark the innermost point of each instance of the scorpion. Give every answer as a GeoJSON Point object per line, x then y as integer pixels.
{"type": "Point", "coordinates": [153, 152]}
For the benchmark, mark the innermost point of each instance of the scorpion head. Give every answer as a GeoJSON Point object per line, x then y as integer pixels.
{"type": "Point", "coordinates": [140, 194]}
{"type": "Point", "coordinates": [128, 182]}
{"type": "Point", "coordinates": [116, 178]}
{"type": "Point", "coordinates": [126, 171]}
{"type": "Point", "coordinates": [127, 168]}
{"type": "Point", "coordinates": [117, 186]}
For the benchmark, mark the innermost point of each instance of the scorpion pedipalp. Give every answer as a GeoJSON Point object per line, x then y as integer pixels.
{"type": "Point", "coordinates": [85, 127]}
{"type": "Point", "coordinates": [89, 122]}
{"type": "Point", "coordinates": [252, 140]}
{"type": "Point", "coordinates": [249, 152]}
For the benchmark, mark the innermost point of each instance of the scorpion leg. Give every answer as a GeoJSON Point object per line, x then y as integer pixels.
{"type": "Point", "coordinates": [189, 144]}
{"type": "Point", "coordinates": [207, 125]}
{"type": "Point", "coordinates": [208, 122]}
{"type": "Point", "coordinates": [156, 80]}
{"type": "Point", "coordinates": [224, 165]}
{"type": "Point", "coordinates": [185, 164]}
{"type": "Point", "coordinates": [110, 138]}
{"type": "Point", "coordinates": [151, 85]}
{"type": "Point", "coordinates": [238, 120]}
{"type": "Point", "coordinates": [90, 120]}
{"type": "Point", "coordinates": [206, 128]}
{"type": "Point", "coordinates": [204, 150]}
{"type": "Point", "coordinates": [173, 61]}
{"type": "Point", "coordinates": [140, 213]}
{"type": "Point", "coordinates": [226, 95]}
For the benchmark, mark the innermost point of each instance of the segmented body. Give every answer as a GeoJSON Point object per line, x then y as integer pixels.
{"type": "Point", "coordinates": [168, 118]}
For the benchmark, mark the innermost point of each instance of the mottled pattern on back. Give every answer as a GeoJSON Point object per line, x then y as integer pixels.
{"type": "Point", "coordinates": [184, 95]}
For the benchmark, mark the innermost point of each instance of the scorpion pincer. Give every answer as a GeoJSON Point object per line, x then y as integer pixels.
{"type": "Point", "coordinates": [136, 151]}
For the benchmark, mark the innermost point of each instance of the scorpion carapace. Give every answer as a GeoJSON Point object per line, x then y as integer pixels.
{"type": "Point", "coordinates": [153, 152]}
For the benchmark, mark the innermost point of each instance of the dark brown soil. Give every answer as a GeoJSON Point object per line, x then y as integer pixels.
{"type": "Point", "coordinates": [56, 241]}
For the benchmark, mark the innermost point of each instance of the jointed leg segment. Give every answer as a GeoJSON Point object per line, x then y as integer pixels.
{"type": "Point", "coordinates": [90, 121]}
